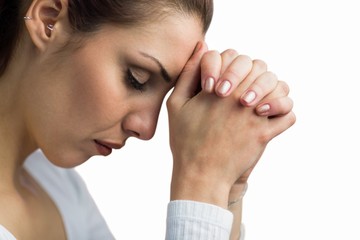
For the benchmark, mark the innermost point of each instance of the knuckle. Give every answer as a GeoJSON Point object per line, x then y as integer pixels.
{"type": "Point", "coordinates": [210, 59]}
{"type": "Point", "coordinates": [211, 53]}
{"type": "Point", "coordinates": [265, 137]}
{"type": "Point", "coordinates": [271, 75]}
{"type": "Point", "coordinates": [291, 103]}
{"type": "Point", "coordinates": [284, 87]}
{"type": "Point", "coordinates": [269, 79]}
{"type": "Point", "coordinates": [259, 65]}
{"type": "Point", "coordinates": [232, 53]}
{"type": "Point", "coordinates": [283, 106]}
{"type": "Point", "coordinates": [292, 118]}
{"type": "Point", "coordinates": [246, 62]}
{"type": "Point", "coordinates": [232, 74]}
{"type": "Point", "coordinates": [245, 59]}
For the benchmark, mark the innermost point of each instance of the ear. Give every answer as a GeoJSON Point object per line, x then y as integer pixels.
{"type": "Point", "coordinates": [48, 19]}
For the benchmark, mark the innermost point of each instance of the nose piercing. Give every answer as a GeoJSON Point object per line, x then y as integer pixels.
{"type": "Point", "coordinates": [27, 18]}
{"type": "Point", "coordinates": [50, 27]}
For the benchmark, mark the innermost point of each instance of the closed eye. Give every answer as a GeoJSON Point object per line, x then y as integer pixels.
{"type": "Point", "coordinates": [133, 82]}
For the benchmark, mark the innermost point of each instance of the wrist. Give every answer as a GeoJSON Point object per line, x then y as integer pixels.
{"type": "Point", "coordinates": [200, 188]}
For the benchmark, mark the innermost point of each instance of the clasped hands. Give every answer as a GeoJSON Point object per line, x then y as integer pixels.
{"type": "Point", "coordinates": [218, 135]}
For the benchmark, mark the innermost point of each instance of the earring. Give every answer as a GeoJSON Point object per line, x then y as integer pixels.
{"type": "Point", "coordinates": [27, 18]}
{"type": "Point", "coordinates": [50, 27]}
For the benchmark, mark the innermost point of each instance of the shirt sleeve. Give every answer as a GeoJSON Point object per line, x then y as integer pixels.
{"type": "Point", "coordinates": [190, 220]}
{"type": "Point", "coordinates": [5, 234]}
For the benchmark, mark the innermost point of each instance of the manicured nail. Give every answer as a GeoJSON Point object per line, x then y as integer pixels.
{"type": "Point", "coordinates": [209, 84]}
{"type": "Point", "coordinates": [224, 87]}
{"type": "Point", "coordinates": [264, 108]}
{"type": "Point", "coordinates": [249, 97]}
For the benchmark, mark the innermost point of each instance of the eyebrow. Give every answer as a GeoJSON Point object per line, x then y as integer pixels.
{"type": "Point", "coordinates": [164, 73]}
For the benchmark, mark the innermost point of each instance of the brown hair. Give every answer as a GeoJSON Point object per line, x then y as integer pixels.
{"type": "Point", "coordinates": [89, 15]}
{"type": "Point", "coordinates": [9, 30]}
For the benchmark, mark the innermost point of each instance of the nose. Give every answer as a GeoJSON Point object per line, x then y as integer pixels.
{"type": "Point", "coordinates": [142, 123]}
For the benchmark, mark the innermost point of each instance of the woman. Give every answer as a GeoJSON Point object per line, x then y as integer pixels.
{"type": "Point", "coordinates": [78, 78]}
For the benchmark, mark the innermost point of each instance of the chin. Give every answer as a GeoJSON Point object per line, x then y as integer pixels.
{"type": "Point", "coordinates": [69, 160]}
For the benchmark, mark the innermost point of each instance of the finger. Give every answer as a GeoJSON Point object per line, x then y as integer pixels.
{"type": "Point", "coordinates": [280, 124]}
{"type": "Point", "coordinates": [275, 107]}
{"type": "Point", "coordinates": [276, 102]}
{"type": "Point", "coordinates": [210, 70]}
{"type": "Point", "coordinates": [234, 74]}
{"type": "Point", "coordinates": [258, 67]}
{"type": "Point", "coordinates": [189, 78]}
{"type": "Point", "coordinates": [282, 89]}
{"type": "Point", "coordinates": [262, 86]}
{"type": "Point", "coordinates": [227, 57]}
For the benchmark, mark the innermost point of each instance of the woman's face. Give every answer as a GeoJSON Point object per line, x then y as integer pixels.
{"type": "Point", "coordinates": [84, 103]}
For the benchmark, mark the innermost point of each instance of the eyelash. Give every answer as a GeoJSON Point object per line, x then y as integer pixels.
{"type": "Point", "coordinates": [133, 82]}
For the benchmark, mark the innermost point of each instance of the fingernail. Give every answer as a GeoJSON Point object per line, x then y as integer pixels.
{"type": "Point", "coordinates": [209, 84]}
{"type": "Point", "coordinates": [249, 97]}
{"type": "Point", "coordinates": [264, 108]}
{"type": "Point", "coordinates": [224, 87]}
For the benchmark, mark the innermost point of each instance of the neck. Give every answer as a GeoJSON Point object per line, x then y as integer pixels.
{"type": "Point", "coordinates": [15, 141]}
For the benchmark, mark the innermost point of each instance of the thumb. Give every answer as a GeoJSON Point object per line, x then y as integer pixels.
{"type": "Point", "coordinates": [189, 79]}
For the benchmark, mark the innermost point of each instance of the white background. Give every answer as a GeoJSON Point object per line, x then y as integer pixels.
{"type": "Point", "coordinates": [307, 184]}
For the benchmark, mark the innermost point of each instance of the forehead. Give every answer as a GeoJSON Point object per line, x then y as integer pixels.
{"type": "Point", "coordinates": [171, 40]}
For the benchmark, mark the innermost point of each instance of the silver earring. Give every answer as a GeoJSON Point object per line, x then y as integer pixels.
{"type": "Point", "coordinates": [27, 18]}
{"type": "Point", "coordinates": [50, 27]}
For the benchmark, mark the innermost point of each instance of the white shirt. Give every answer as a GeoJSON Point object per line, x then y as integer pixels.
{"type": "Point", "coordinates": [186, 220]}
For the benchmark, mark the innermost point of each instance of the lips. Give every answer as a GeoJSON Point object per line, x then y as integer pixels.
{"type": "Point", "coordinates": [105, 148]}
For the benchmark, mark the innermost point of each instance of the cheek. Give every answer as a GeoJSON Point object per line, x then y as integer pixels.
{"type": "Point", "coordinates": [98, 96]}
{"type": "Point", "coordinates": [82, 106]}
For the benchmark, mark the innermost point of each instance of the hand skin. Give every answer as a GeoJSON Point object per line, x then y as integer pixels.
{"type": "Point", "coordinates": [267, 90]}
{"type": "Point", "coordinates": [206, 149]}
{"type": "Point", "coordinates": [280, 105]}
